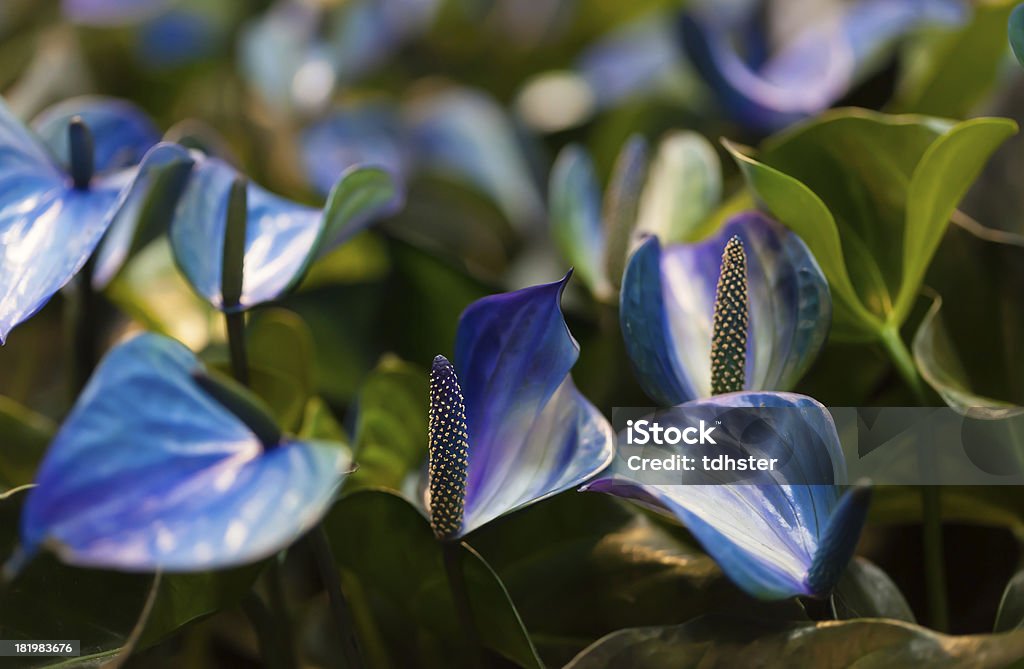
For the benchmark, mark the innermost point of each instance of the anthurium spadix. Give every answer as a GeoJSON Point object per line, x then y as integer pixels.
{"type": "Point", "coordinates": [812, 70]}
{"type": "Point", "coordinates": [53, 215]}
{"type": "Point", "coordinates": [282, 238]}
{"type": "Point", "coordinates": [507, 425]}
{"type": "Point", "coordinates": [751, 299]}
{"type": "Point", "coordinates": [162, 465]}
{"type": "Point", "coordinates": [777, 539]}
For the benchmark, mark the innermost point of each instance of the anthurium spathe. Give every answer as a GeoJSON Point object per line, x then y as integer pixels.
{"type": "Point", "coordinates": [670, 300]}
{"type": "Point", "coordinates": [53, 216]}
{"type": "Point", "coordinates": [508, 426]}
{"type": "Point", "coordinates": [282, 238]}
{"type": "Point", "coordinates": [811, 71]}
{"type": "Point", "coordinates": [162, 466]}
{"type": "Point", "coordinates": [791, 537]}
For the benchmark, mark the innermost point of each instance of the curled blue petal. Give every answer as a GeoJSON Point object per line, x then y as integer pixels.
{"type": "Point", "coordinates": [48, 227]}
{"type": "Point", "coordinates": [122, 133]}
{"type": "Point", "coordinates": [150, 471]}
{"type": "Point", "coordinates": [667, 310]}
{"type": "Point", "coordinates": [282, 237]}
{"type": "Point", "coordinates": [811, 72]}
{"type": "Point", "coordinates": [531, 433]}
{"type": "Point", "coordinates": [773, 540]}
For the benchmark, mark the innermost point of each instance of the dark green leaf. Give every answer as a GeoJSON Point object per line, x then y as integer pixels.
{"type": "Point", "coordinates": [727, 642]}
{"type": "Point", "coordinates": [1011, 608]}
{"type": "Point", "coordinates": [26, 435]}
{"type": "Point", "coordinates": [865, 591]}
{"type": "Point", "coordinates": [389, 547]}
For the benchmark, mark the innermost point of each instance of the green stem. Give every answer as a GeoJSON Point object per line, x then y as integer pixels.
{"type": "Point", "coordinates": [321, 547]}
{"type": "Point", "coordinates": [273, 653]}
{"type": "Point", "coordinates": [931, 502]}
{"type": "Point", "coordinates": [235, 322]}
{"type": "Point", "coordinates": [83, 308]}
{"type": "Point", "coordinates": [452, 553]}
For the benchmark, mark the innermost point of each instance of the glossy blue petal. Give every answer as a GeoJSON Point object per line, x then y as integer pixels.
{"type": "Point", "coordinates": [282, 237]}
{"type": "Point", "coordinates": [112, 12]}
{"type": "Point", "coordinates": [531, 433]}
{"type": "Point", "coordinates": [49, 228]}
{"type": "Point", "coordinates": [466, 136]}
{"type": "Point", "coordinates": [773, 540]}
{"type": "Point", "coordinates": [667, 310]}
{"type": "Point", "coordinates": [369, 135]}
{"type": "Point", "coordinates": [811, 72]}
{"type": "Point", "coordinates": [121, 132]}
{"type": "Point", "coordinates": [149, 472]}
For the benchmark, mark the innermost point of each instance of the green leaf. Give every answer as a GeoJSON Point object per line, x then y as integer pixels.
{"type": "Point", "coordinates": [50, 600]}
{"type": "Point", "coordinates": [391, 426]}
{"type": "Point", "coordinates": [720, 641]}
{"type": "Point", "coordinates": [871, 195]}
{"type": "Point", "coordinates": [1010, 615]}
{"type": "Point", "coordinates": [683, 188]}
{"type": "Point", "coordinates": [280, 340]}
{"type": "Point", "coordinates": [608, 566]}
{"type": "Point", "coordinates": [621, 207]}
{"type": "Point", "coordinates": [319, 423]}
{"type": "Point", "coordinates": [865, 591]}
{"type": "Point", "coordinates": [950, 73]}
{"type": "Point", "coordinates": [389, 547]}
{"type": "Point", "coordinates": [359, 192]}
{"type": "Point", "coordinates": [26, 435]}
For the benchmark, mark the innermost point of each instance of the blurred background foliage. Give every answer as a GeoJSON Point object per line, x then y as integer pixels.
{"type": "Point", "coordinates": [371, 315]}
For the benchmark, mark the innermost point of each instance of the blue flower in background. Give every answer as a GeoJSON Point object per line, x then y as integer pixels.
{"type": "Point", "coordinates": [282, 238]}
{"type": "Point", "coordinates": [365, 134]}
{"type": "Point", "coordinates": [155, 468]}
{"type": "Point", "coordinates": [670, 301]}
{"type": "Point", "coordinates": [507, 425]}
{"type": "Point", "coordinates": [811, 71]}
{"type": "Point", "coordinates": [774, 540]}
{"type": "Point", "coordinates": [55, 212]}
{"type": "Point", "coordinates": [297, 53]}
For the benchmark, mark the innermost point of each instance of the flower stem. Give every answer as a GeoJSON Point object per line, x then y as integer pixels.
{"type": "Point", "coordinates": [235, 322]}
{"type": "Point", "coordinates": [321, 547]}
{"type": "Point", "coordinates": [452, 554]}
{"type": "Point", "coordinates": [83, 308]}
{"type": "Point", "coordinates": [931, 502]}
{"type": "Point", "coordinates": [274, 654]}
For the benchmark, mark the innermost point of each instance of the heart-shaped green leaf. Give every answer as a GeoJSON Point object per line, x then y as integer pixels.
{"type": "Point", "coordinates": [865, 591]}
{"type": "Point", "coordinates": [871, 195]}
{"type": "Point", "coordinates": [388, 546]}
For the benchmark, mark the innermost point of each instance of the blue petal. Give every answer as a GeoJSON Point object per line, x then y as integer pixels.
{"type": "Point", "coordinates": [531, 433]}
{"type": "Point", "coordinates": [282, 237]}
{"type": "Point", "coordinates": [151, 472]}
{"type": "Point", "coordinates": [365, 135]}
{"type": "Point", "coordinates": [767, 538]}
{"type": "Point", "coordinates": [575, 213]}
{"type": "Point", "coordinates": [112, 12]}
{"type": "Point", "coordinates": [121, 132]}
{"type": "Point", "coordinates": [811, 72]}
{"type": "Point", "coordinates": [48, 228]}
{"type": "Point", "coordinates": [467, 136]}
{"type": "Point", "coordinates": [790, 310]}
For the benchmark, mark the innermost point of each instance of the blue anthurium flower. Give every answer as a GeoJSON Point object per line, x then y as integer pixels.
{"type": "Point", "coordinates": [155, 468]}
{"type": "Point", "coordinates": [774, 540]}
{"type": "Point", "coordinates": [813, 70]}
{"type": "Point", "coordinates": [53, 215]}
{"type": "Point", "coordinates": [297, 53]}
{"type": "Point", "coordinates": [670, 307]}
{"type": "Point", "coordinates": [507, 425]}
{"type": "Point", "coordinates": [282, 238]}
